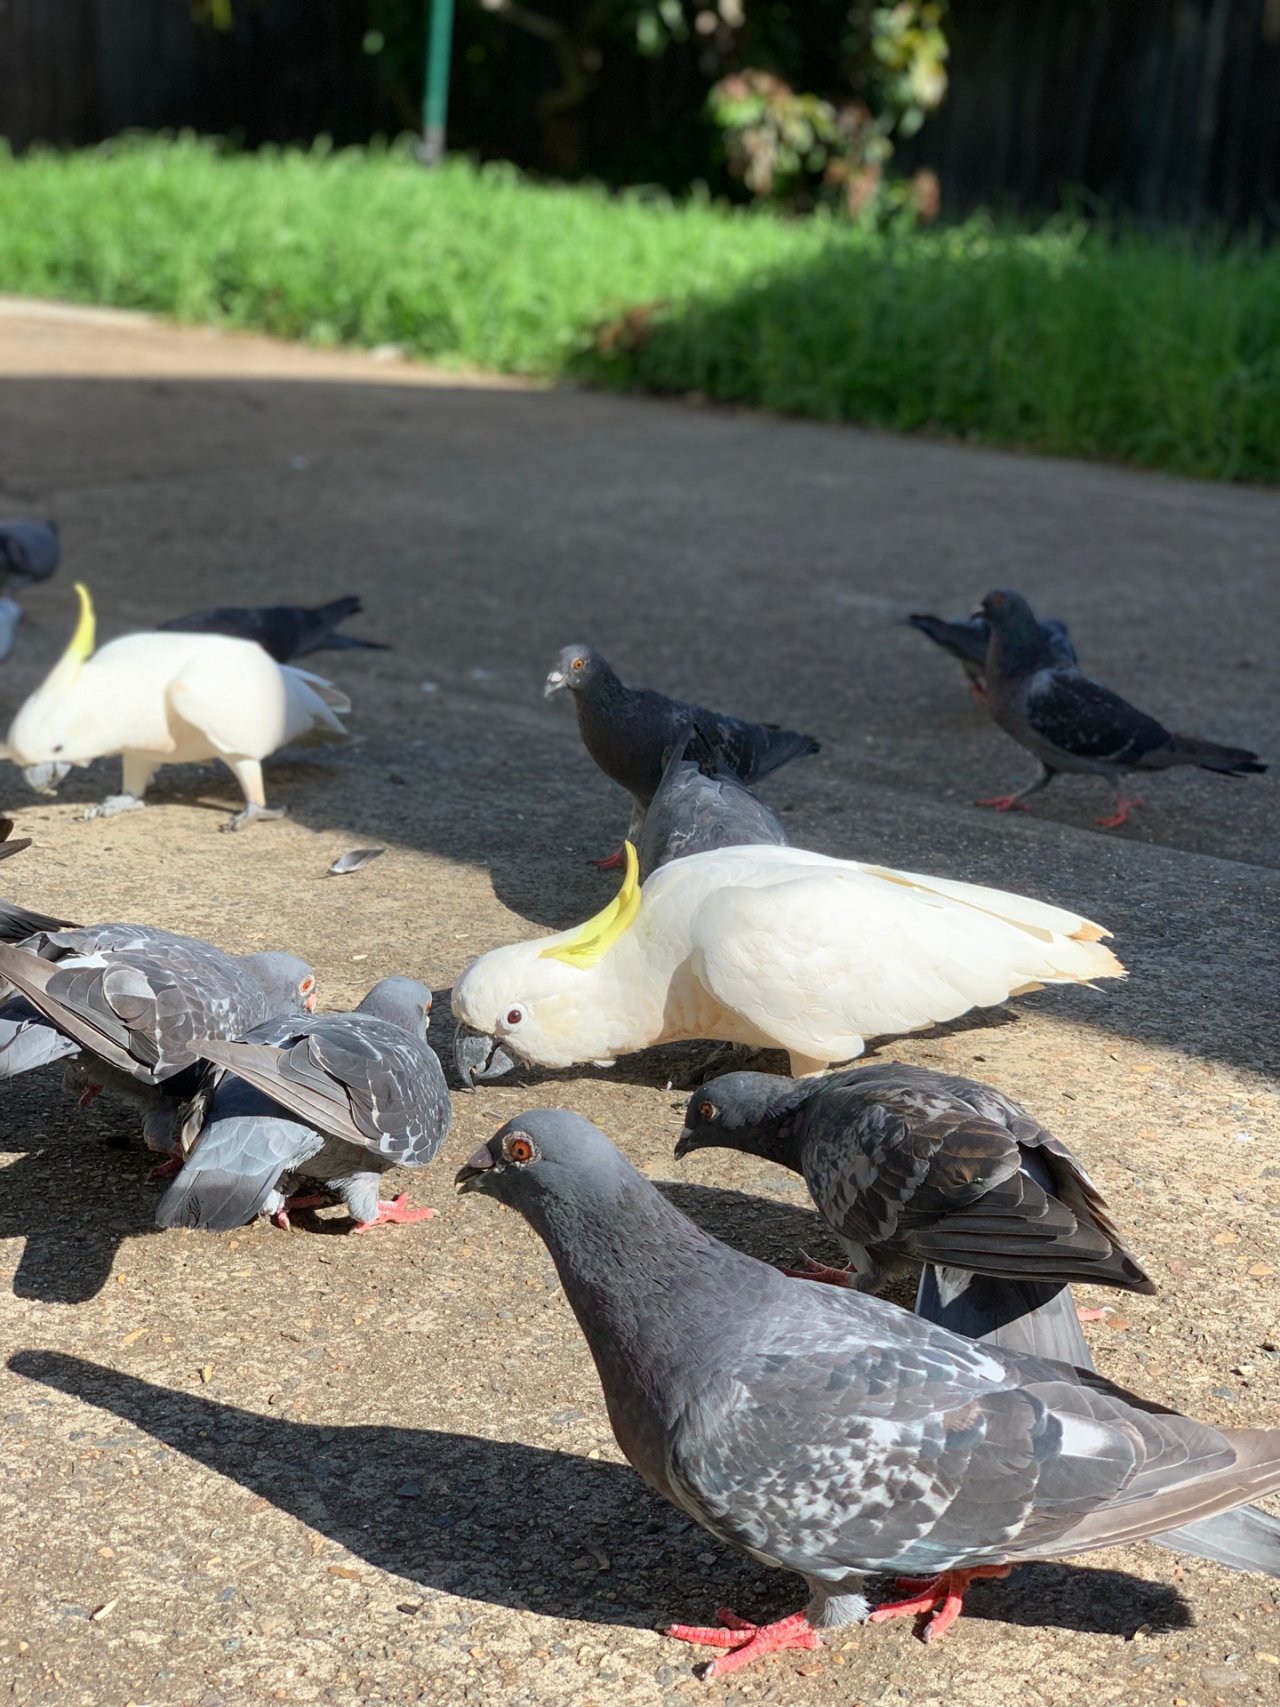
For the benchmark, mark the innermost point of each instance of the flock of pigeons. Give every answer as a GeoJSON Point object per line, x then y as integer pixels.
{"type": "Point", "coordinates": [792, 1413]}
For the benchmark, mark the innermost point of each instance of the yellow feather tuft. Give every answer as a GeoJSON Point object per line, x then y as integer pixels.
{"type": "Point", "coordinates": [592, 941]}
{"type": "Point", "coordinates": [82, 640]}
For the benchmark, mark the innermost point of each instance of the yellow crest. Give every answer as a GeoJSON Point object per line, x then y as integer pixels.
{"type": "Point", "coordinates": [81, 646]}
{"type": "Point", "coordinates": [592, 941]}
{"type": "Point", "coordinates": [62, 677]}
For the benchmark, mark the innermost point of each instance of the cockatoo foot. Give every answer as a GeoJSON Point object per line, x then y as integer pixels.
{"type": "Point", "coordinates": [113, 805]}
{"type": "Point", "coordinates": [252, 814]}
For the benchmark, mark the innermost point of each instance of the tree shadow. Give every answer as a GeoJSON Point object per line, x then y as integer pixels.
{"type": "Point", "coordinates": [77, 1192]}
{"type": "Point", "coordinates": [463, 1540]}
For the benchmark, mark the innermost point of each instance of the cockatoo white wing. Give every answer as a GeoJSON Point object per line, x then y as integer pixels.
{"type": "Point", "coordinates": [242, 701]}
{"type": "Point", "coordinates": [819, 961]}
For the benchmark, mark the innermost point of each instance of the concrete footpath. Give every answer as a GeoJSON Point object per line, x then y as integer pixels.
{"type": "Point", "coordinates": [310, 1468]}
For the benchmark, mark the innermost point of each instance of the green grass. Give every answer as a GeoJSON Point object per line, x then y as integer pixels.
{"type": "Point", "coordinates": [1161, 353]}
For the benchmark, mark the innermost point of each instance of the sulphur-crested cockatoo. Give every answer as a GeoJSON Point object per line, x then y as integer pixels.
{"type": "Point", "coordinates": [170, 699]}
{"type": "Point", "coordinates": [774, 947]}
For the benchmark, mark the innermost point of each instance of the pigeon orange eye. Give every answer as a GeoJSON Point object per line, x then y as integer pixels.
{"type": "Point", "coordinates": [706, 1111]}
{"type": "Point", "coordinates": [308, 985]}
{"type": "Point", "coordinates": [578, 663]}
{"type": "Point", "coordinates": [514, 1016]}
{"type": "Point", "coordinates": [519, 1150]}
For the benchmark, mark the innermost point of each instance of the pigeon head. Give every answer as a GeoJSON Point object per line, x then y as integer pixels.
{"type": "Point", "coordinates": [757, 1113]}
{"type": "Point", "coordinates": [576, 668]}
{"type": "Point", "coordinates": [400, 1001]}
{"type": "Point", "coordinates": [1011, 617]}
{"type": "Point", "coordinates": [544, 1156]}
{"type": "Point", "coordinates": [288, 983]}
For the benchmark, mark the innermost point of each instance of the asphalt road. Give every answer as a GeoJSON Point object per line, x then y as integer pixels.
{"type": "Point", "coordinates": [310, 1467]}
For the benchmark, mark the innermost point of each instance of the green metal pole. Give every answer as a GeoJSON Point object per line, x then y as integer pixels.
{"type": "Point", "coordinates": [435, 94]}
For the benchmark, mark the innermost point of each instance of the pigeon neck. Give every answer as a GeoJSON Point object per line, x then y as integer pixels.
{"type": "Point", "coordinates": [651, 1292]}
{"type": "Point", "coordinates": [1019, 651]}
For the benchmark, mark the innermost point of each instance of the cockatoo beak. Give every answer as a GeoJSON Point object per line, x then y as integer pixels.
{"type": "Point", "coordinates": [555, 681]}
{"type": "Point", "coordinates": [478, 1057]}
{"type": "Point", "coordinates": [44, 779]}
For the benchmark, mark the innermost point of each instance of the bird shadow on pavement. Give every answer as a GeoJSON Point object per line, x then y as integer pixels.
{"type": "Point", "coordinates": [453, 1528]}
{"type": "Point", "coordinates": [75, 1194]}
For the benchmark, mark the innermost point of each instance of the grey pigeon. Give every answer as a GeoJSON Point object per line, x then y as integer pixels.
{"type": "Point", "coordinates": [29, 551]}
{"type": "Point", "coordinates": [693, 812]}
{"type": "Point", "coordinates": [910, 1168]}
{"type": "Point", "coordinates": [333, 1101]}
{"type": "Point", "coordinates": [966, 639]}
{"type": "Point", "coordinates": [830, 1433]}
{"type": "Point", "coordinates": [28, 1039]}
{"type": "Point", "coordinates": [1072, 723]}
{"type": "Point", "coordinates": [136, 1013]}
{"type": "Point", "coordinates": [629, 732]}
{"type": "Point", "coordinates": [285, 631]}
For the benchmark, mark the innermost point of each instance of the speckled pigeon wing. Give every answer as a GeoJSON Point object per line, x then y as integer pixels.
{"type": "Point", "coordinates": [1068, 711]}
{"type": "Point", "coordinates": [353, 1077]}
{"type": "Point", "coordinates": [912, 1451]}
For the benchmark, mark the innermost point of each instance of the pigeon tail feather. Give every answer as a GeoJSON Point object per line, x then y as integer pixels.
{"type": "Point", "coordinates": [1209, 756]}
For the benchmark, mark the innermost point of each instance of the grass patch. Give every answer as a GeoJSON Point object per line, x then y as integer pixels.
{"type": "Point", "coordinates": [1161, 353]}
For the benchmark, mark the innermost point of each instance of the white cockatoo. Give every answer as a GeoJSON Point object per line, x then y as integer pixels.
{"type": "Point", "coordinates": [169, 699]}
{"type": "Point", "coordinates": [773, 947]}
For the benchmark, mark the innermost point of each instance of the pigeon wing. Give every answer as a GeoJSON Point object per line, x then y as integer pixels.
{"type": "Point", "coordinates": [1078, 716]}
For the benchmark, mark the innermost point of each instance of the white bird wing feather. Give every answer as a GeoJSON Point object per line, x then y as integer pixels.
{"type": "Point", "coordinates": [246, 704]}
{"type": "Point", "coordinates": [820, 960]}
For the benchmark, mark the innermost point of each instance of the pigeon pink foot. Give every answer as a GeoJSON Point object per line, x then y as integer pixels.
{"type": "Point", "coordinates": [1004, 803]}
{"type": "Point", "coordinates": [166, 1170]}
{"type": "Point", "coordinates": [822, 1271]}
{"type": "Point", "coordinates": [396, 1213]}
{"type": "Point", "coordinates": [614, 861]}
{"type": "Point", "coordinates": [747, 1641]}
{"type": "Point", "coordinates": [1121, 814]}
{"type": "Point", "coordinates": [304, 1200]}
{"type": "Point", "coordinates": [941, 1596]}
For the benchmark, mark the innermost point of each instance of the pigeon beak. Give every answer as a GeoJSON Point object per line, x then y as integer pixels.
{"type": "Point", "coordinates": [478, 1057]}
{"type": "Point", "coordinates": [684, 1143]}
{"type": "Point", "coordinates": [44, 779]}
{"type": "Point", "coordinates": [555, 681]}
{"type": "Point", "coordinates": [471, 1176]}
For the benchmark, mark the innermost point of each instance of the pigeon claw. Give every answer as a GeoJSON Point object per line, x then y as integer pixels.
{"type": "Point", "coordinates": [1120, 816]}
{"type": "Point", "coordinates": [397, 1211]}
{"type": "Point", "coordinates": [941, 1596]}
{"type": "Point", "coordinates": [745, 1640]}
{"type": "Point", "coordinates": [614, 861]}
{"type": "Point", "coordinates": [814, 1270]}
{"type": "Point", "coordinates": [1004, 803]}
{"type": "Point", "coordinates": [301, 1200]}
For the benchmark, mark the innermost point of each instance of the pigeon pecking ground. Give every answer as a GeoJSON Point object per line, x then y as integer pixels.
{"type": "Point", "coordinates": [276, 1467]}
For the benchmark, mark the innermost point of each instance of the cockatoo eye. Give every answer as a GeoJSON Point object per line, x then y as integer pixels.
{"type": "Point", "coordinates": [514, 1016]}
{"type": "Point", "coordinates": [518, 1148]}
{"type": "Point", "coordinates": [707, 1111]}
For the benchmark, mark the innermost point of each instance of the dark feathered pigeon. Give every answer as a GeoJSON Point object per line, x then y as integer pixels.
{"type": "Point", "coordinates": [1072, 723]}
{"type": "Point", "coordinates": [29, 551]}
{"type": "Point", "coordinates": [630, 732]}
{"type": "Point", "coordinates": [966, 640]}
{"type": "Point", "coordinates": [136, 1012]}
{"type": "Point", "coordinates": [830, 1433]}
{"type": "Point", "coordinates": [285, 631]}
{"type": "Point", "coordinates": [334, 1102]}
{"type": "Point", "coordinates": [910, 1168]}
{"type": "Point", "coordinates": [692, 812]}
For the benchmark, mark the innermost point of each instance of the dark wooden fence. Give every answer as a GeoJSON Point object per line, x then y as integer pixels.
{"type": "Point", "coordinates": [1165, 110]}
